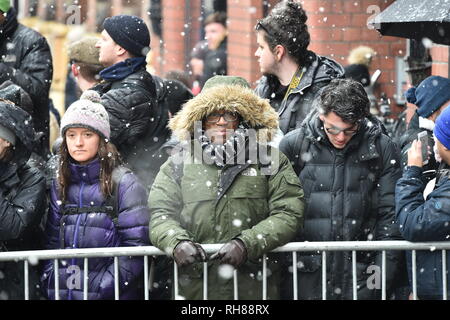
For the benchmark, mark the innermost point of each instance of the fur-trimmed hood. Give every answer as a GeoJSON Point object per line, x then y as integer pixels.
{"type": "Point", "coordinates": [255, 111]}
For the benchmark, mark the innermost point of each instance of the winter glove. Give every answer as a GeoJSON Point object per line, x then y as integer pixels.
{"type": "Point", "coordinates": [187, 252]}
{"type": "Point", "coordinates": [233, 252]}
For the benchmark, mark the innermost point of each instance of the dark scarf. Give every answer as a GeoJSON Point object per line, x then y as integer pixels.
{"type": "Point", "coordinates": [122, 69]}
{"type": "Point", "coordinates": [229, 152]}
{"type": "Point", "coordinates": [10, 24]}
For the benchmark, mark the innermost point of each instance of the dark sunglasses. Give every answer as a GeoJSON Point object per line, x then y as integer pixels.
{"type": "Point", "coordinates": [227, 116]}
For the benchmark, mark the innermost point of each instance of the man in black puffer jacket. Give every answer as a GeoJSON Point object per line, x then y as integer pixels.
{"type": "Point", "coordinates": [292, 75]}
{"type": "Point", "coordinates": [138, 122]}
{"type": "Point", "coordinates": [348, 172]}
{"type": "Point", "coordinates": [25, 59]}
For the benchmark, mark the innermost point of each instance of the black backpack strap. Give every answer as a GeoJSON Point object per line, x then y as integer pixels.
{"type": "Point", "coordinates": [112, 202]}
{"type": "Point", "coordinates": [301, 147]}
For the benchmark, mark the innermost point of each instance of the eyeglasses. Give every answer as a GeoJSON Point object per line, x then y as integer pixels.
{"type": "Point", "coordinates": [335, 131]}
{"type": "Point", "coordinates": [227, 116]}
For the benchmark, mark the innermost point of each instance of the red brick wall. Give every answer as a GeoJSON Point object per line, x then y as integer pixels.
{"type": "Point", "coordinates": [338, 26]}
{"type": "Point", "coordinates": [440, 55]}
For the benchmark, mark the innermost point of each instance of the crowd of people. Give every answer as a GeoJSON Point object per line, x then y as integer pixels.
{"type": "Point", "coordinates": [141, 160]}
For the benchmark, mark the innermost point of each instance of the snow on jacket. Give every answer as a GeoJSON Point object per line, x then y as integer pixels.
{"type": "Point", "coordinates": [97, 230]}
{"type": "Point", "coordinates": [349, 196]}
{"type": "Point", "coordinates": [214, 205]}
{"type": "Point", "coordinates": [138, 122]}
{"type": "Point", "coordinates": [421, 221]}
{"type": "Point", "coordinates": [299, 102]}
{"type": "Point", "coordinates": [27, 61]}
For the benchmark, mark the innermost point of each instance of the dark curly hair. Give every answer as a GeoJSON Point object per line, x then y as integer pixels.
{"type": "Point", "coordinates": [286, 25]}
{"type": "Point", "coordinates": [345, 97]}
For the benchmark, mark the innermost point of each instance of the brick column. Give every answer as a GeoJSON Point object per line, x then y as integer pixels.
{"type": "Point", "coordinates": [173, 54]}
{"type": "Point", "coordinates": [242, 17]}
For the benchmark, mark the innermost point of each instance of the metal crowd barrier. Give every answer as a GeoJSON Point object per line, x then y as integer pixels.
{"type": "Point", "coordinates": [294, 247]}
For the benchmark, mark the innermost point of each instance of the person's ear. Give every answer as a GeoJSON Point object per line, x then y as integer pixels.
{"type": "Point", "coordinates": [75, 70]}
{"type": "Point", "coordinates": [120, 51]}
{"type": "Point", "coordinates": [279, 52]}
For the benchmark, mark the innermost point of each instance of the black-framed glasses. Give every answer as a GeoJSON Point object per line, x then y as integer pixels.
{"type": "Point", "coordinates": [335, 131]}
{"type": "Point", "coordinates": [227, 116]}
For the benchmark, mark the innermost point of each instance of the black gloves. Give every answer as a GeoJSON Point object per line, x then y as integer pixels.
{"type": "Point", "coordinates": [187, 252]}
{"type": "Point", "coordinates": [233, 252]}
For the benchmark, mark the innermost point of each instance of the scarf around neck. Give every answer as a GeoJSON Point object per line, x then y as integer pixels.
{"type": "Point", "coordinates": [122, 69]}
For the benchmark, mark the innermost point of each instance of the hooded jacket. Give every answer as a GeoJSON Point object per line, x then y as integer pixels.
{"type": "Point", "coordinates": [210, 204]}
{"type": "Point", "coordinates": [349, 196]}
{"type": "Point", "coordinates": [298, 104]}
{"type": "Point", "coordinates": [138, 122]}
{"type": "Point", "coordinates": [424, 220]}
{"type": "Point", "coordinates": [27, 61]}
{"type": "Point", "coordinates": [22, 203]}
{"type": "Point", "coordinates": [96, 230]}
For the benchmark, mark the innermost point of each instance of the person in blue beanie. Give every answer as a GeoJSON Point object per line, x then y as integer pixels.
{"type": "Point", "coordinates": [426, 219]}
{"type": "Point", "coordinates": [431, 97]}
{"type": "Point", "coordinates": [138, 122]}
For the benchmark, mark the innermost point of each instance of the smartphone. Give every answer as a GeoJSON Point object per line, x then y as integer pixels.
{"type": "Point", "coordinates": [423, 138]}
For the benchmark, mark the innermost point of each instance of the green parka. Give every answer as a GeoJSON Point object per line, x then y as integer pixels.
{"type": "Point", "coordinates": [209, 204]}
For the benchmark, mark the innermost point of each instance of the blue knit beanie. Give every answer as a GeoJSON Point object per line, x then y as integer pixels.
{"type": "Point", "coordinates": [442, 128]}
{"type": "Point", "coordinates": [129, 32]}
{"type": "Point", "coordinates": [429, 95]}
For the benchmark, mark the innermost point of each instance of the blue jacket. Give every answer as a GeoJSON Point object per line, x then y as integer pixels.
{"type": "Point", "coordinates": [421, 220]}
{"type": "Point", "coordinates": [97, 230]}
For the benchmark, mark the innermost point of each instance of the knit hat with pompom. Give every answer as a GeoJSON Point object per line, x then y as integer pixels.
{"type": "Point", "coordinates": [87, 113]}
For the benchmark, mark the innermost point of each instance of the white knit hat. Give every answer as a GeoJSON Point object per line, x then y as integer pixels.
{"type": "Point", "coordinates": [87, 113]}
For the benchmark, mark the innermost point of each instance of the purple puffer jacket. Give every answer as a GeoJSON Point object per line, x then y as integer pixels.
{"type": "Point", "coordinates": [91, 230]}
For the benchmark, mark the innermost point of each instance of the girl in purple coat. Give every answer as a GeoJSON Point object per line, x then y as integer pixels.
{"type": "Point", "coordinates": [94, 203]}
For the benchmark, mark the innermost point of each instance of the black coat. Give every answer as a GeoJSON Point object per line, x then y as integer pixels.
{"type": "Point", "coordinates": [349, 196]}
{"type": "Point", "coordinates": [22, 203]}
{"type": "Point", "coordinates": [138, 122]}
{"type": "Point", "coordinates": [299, 102]}
{"type": "Point", "coordinates": [26, 60]}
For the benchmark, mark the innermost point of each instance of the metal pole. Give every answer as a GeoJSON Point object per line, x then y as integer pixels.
{"type": "Point", "coordinates": [444, 275]}
{"type": "Point", "coordinates": [85, 279]}
{"type": "Point", "coordinates": [175, 279]}
{"type": "Point", "coordinates": [56, 267]}
{"type": "Point", "coordinates": [27, 289]}
{"type": "Point", "coordinates": [414, 274]}
{"type": "Point", "coordinates": [264, 277]}
{"type": "Point", "coordinates": [355, 291]}
{"type": "Point", "coordinates": [205, 280]}
{"type": "Point", "coordinates": [383, 275]}
{"type": "Point", "coordinates": [294, 271]}
{"type": "Point", "coordinates": [235, 285]}
{"type": "Point", "coordinates": [146, 277]}
{"type": "Point", "coordinates": [324, 275]}
{"type": "Point", "coordinates": [116, 278]}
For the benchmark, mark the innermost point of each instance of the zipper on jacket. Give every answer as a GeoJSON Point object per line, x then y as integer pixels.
{"type": "Point", "coordinates": [75, 233]}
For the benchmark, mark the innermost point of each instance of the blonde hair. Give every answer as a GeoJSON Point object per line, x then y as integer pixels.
{"type": "Point", "coordinates": [361, 55]}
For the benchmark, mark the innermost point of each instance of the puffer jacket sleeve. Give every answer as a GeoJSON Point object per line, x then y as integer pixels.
{"type": "Point", "coordinates": [130, 114]}
{"type": "Point", "coordinates": [133, 231]}
{"type": "Point", "coordinates": [286, 207]}
{"type": "Point", "coordinates": [386, 227]}
{"type": "Point", "coordinates": [422, 220]}
{"type": "Point", "coordinates": [165, 202]}
{"type": "Point", "coordinates": [23, 210]}
{"type": "Point", "coordinates": [35, 72]}
{"type": "Point", "coordinates": [51, 235]}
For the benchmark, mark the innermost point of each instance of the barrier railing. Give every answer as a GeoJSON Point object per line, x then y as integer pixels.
{"type": "Point", "coordinates": [353, 246]}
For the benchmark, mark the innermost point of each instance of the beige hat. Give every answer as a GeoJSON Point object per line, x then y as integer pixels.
{"type": "Point", "coordinates": [84, 51]}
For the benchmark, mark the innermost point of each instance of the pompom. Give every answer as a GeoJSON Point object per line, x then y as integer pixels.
{"type": "Point", "coordinates": [91, 95]}
{"type": "Point", "coordinates": [410, 95]}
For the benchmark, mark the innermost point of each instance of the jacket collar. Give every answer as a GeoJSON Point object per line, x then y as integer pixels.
{"type": "Point", "coordinates": [10, 24]}
{"type": "Point", "coordinates": [88, 173]}
{"type": "Point", "coordinates": [122, 69]}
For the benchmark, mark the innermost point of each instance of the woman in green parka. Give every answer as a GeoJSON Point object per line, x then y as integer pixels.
{"type": "Point", "coordinates": [225, 184]}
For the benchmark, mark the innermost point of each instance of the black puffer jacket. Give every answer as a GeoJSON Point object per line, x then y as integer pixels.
{"type": "Point", "coordinates": [26, 60]}
{"type": "Point", "coordinates": [349, 196]}
{"type": "Point", "coordinates": [299, 102]}
{"type": "Point", "coordinates": [138, 122]}
{"type": "Point", "coordinates": [22, 204]}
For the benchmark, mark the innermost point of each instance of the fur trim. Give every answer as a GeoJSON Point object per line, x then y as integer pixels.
{"type": "Point", "coordinates": [254, 110]}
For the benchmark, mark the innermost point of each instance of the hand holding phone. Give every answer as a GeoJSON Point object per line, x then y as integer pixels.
{"type": "Point", "coordinates": [423, 138]}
